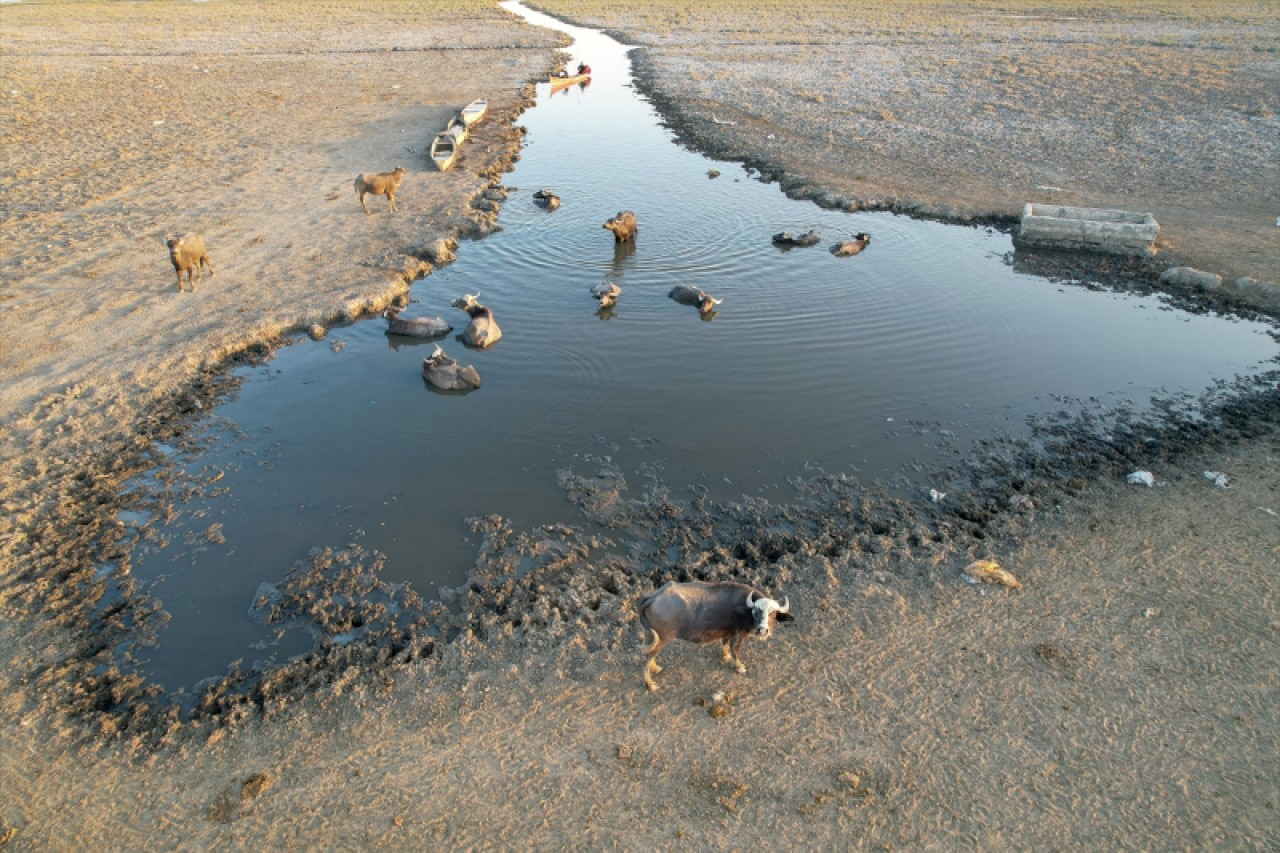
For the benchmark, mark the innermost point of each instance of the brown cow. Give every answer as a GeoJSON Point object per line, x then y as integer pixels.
{"type": "Point", "coordinates": [383, 183]}
{"type": "Point", "coordinates": [188, 255]}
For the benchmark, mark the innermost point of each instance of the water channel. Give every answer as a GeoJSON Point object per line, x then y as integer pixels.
{"type": "Point", "coordinates": [881, 365]}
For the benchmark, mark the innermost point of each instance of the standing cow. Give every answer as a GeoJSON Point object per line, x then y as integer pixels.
{"type": "Point", "coordinates": [188, 255]}
{"type": "Point", "coordinates": [382, 183]}
{"type": "Point", "coordinates": [701, 612]}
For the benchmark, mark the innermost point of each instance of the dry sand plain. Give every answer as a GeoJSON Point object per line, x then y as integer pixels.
{"type": "Point", "coordinates": [1125, 698]}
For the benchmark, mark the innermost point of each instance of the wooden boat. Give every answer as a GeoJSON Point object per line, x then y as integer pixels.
{"type": "Point", "coordinates": [562, 82]}
{"type": "Point", "coordinates": [474, 111]}
{"type": "Point", "coordinates": [444, 148]}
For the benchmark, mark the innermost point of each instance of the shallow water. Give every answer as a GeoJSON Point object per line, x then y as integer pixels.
{"type": "Point", "coordinates": [882, 365]}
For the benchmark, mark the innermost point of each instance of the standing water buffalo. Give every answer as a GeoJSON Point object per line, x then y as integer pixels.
{"type": "Point", "coordinates": [623, 226]}
{"type": "Point", "coordinates": [383, 183]}
{"type": "Point", "coordinates": [483, 330]}
{"type": "Point", "coordinates": [701, 612]}
{"type": "Point", "coordinates": [188, 255]}
{"type": "Point", "coordinates": [686, 295]}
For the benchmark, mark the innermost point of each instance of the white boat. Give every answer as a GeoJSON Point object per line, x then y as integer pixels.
{"type": "Point", "coordinates": [444, 148]}
{"type": "Point", "coordinates": [474, 111]}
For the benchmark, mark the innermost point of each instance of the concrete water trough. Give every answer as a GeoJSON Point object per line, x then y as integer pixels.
{"type": "Point", "coordinates": [1120, 232]}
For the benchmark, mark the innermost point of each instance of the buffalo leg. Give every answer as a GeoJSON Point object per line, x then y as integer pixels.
{"type": "Point", "coordinates": [731, 653]}
{"type": "Point", "coordinates": [651, 667]}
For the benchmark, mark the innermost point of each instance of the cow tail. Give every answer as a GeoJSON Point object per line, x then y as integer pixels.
{"type": "Point", "coordinates": [651, 636]}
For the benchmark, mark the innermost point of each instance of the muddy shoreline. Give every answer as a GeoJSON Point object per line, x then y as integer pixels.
{"type": "Point", "coordinates": [283, 754]}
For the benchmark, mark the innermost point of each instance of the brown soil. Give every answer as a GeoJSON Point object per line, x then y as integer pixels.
{"type": "Point", "coordinates": [1127, 696]}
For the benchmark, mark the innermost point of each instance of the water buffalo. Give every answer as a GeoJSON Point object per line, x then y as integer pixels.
{"type": "Point", "coordinates": [686, 295]}
{"type": "Point", "coordinates": [188, 255]}
{"type": "Point", "coordinates": [415, 327]}
{"type": "Point", "coordinates": [623, 226]}
{"type": "Point", "coordinates": [383, 183]}
{"type": "Point", "coordinates": [546, 199]}
{"type": "Point", "coordinates": [606, 293]}
{"type": "Point", "coordinates": [483, 330]}
{"type": "Point", "coordinates": [444, 373]}
{"type": "Point", "coordinates": [701, 612]}
{"type": "Point", "coordinates": [787, 239]}
{"type": "Point", "coordinates": [846, 248]}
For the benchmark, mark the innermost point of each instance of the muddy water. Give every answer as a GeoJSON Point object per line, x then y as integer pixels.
{"type": "Point", "coordinates": [885, 365]}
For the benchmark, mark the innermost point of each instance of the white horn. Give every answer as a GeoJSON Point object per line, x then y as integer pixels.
{"type": "Point", "coordinates": [750, 595]}
{"type": "Point", "coordinates": [715, 301]}
{"type": "Point", "coordinates": [786, 605]}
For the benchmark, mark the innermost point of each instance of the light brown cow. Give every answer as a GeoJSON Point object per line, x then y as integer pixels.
{"type": "Point", "coordinates": [383, 183]}
{"type": "Point", "coordinates": [188, 255]}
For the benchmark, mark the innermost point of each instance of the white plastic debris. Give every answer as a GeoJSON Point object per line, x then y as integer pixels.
{"type": "Point", "coordinates": [936, 496]}
{"type": "Point", "coordinates": [1150, 612]}
{"type": "Point", "coordinates": [1218, 478]}
{"type": "Point", "coordinates": [1141, 478]}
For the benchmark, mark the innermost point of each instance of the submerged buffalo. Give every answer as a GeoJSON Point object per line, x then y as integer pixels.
{"type": "Point", "coordinates": [546, 199]}
{"type": "Point", "coordinates": [623, 226]}
{"type": "Point", "coordinates": [787, 239]}
{"type": "Point", "coordinates": [483, 330]}
{"type": "Point", "coordinates": [847, 248]}
{"type": "Point", "coordinates": [446, 374]}
{"type": "Point", "coordinates": [415, 327]}
{"type": "Point", "coordinates": [701, 612]}
{"type": "Point", "coordinates": [606, 293]}
{"type": "Point", "coordinates": [694, 296]}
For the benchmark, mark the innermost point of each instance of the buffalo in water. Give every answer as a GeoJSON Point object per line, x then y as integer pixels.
{"type": "Point", "coordinates": [447, 375]}
{"type": "Point", "coordinates": [415, 327]}
{"type": "Point", "coordinates": [482, 331]}
{"type": "Point", "coordinates": [788, 240]}
{"type": "Point", "coordinates": [623, 226]}
{"type": "Point", "coordinates": [686, 295]}
{"type": "Point", "coordinates": [848, 248]}
{"type": "Point", "coordinates": [606, 293]}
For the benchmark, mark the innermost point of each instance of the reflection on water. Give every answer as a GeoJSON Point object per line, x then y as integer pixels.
{"type": "Point", "coordinates": [909, 352]}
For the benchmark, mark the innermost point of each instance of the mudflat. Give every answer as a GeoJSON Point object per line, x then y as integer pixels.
{"type": "Point", "coordinates": [1126, 696]}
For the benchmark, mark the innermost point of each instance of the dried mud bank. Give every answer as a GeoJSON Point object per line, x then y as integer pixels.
{"type": "Point", "coordinates": [962, 115]}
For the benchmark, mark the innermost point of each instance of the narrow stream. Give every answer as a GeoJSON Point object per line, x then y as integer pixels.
{"type": "Point", "coordinates": [882, 365]}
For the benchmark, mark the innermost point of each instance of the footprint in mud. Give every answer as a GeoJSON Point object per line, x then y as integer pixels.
{"type": "Point", "coordinates": [234, 800]}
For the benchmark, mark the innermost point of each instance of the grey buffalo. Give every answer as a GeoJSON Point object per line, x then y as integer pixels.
{"type": "Point", "coordinates": [415, 327]}
{"type": "Point", "coordinates": [482, 331]}
{"type": "Point", "coordinates": [686, 295]}
{"type": "Point", "coordinates": [701, 612]}
{"type": "Point", "coordinates": [447, 375]}
{"type": "Point", "coordinates": [787, 239]}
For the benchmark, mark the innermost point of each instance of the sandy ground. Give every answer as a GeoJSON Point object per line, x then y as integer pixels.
{"type": "Point", "coordinates": [1126, 697]}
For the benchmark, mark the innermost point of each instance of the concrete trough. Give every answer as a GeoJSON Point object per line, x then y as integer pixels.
{"type": "Point", "coordinates": [1117, 232]}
